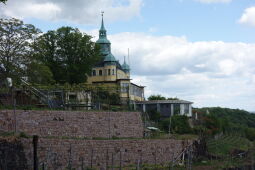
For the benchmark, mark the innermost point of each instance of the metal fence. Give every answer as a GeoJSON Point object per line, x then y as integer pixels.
{"type": "Point", "coordinates": [66, 97]}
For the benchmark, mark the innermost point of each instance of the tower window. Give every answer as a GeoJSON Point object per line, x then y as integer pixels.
{"type": "Point", "coordinates": [113, 72]}
{"type": "Point", "coordinates": [109, 71]}
{"type": "Point", "coordinates": [94, 73]}
{"type": "Point", "coordinates": [100, 72]}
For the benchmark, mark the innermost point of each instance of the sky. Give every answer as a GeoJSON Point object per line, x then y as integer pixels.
{"type": "Point", "coordinates": [197, 50]}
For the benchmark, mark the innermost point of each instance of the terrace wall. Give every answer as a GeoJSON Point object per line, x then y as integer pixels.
{"type": "Point", "coordinates": [73, 123]}
{"type": "Point", "coordinates": [60, 154]}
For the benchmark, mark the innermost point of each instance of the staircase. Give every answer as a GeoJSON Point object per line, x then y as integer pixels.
{"type": "Point", "coordinates": [44, 98]}
{"type": "Point", "coordinates": [29, 95]}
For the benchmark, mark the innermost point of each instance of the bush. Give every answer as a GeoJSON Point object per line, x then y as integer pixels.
{"type": "Point", "coordinates": [250, 133]}
{"type": "Point", "coordinates": [23, 135]}
{"type": "Point", "coordinates": [179, 124]}
{"type": "Point", "coordinates": [154, 115]}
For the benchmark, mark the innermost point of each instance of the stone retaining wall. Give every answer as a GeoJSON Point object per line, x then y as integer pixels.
{"type": "Point", "coordinates": [12, 154]}
{"type": "Point", "coordinates": [59, 154]}
{"type": "Point", "coordinates": [74, 123]}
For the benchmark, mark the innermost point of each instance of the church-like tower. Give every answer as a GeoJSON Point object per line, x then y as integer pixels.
{"type": "Point", "coordinates": [109, 72]}
{"type": "Point", "coordinates": [105, 44]}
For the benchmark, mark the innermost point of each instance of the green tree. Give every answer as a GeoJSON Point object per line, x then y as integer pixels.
{"type": "Point", "coordinates": [154, 115]}
{"type": "Point", "coordinates": [39, 73]}
{"type": "Point", "coordinates": [159, 97]}
{"type": "Point", "coordinates": [68, 53]}
{"type": "Point", "coordinates": [156, 97]}
{"type": "Point", "coordinates": [179, 124]}
{"type": "Point", "coordinates": [3, 1]}
{"type": "Point", "coordinates": [15, 47]}
{"type": "Point", "coordinates": [250, 133]}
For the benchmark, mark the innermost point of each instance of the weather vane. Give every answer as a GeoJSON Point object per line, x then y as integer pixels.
{"type": "Point", "coordinates": [102, 13]}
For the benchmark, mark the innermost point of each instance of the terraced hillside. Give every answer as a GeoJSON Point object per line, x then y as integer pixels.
{"type": "Point", "coordinates": [227, 144]}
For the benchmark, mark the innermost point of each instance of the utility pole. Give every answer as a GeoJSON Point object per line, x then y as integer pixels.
{"type": "Point", "coordinates": [11, 86]}
{"type": "Point", "coordinates": [170, 122]}
{"type": "Point", "coordinates": [14, 109]}
{"type": "Point", "coordinates": [35, 144]}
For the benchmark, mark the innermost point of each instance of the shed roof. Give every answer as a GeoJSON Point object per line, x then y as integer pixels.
{"type": "Point", "coordinates": [164, 102]}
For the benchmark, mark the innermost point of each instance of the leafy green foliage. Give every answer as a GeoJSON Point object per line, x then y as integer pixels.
{"type": "Point", "coordinates": [227, 120]}
{"type": "Point", "coordinates": [3, 1]}
{"type": "Point", "coordinates": [15, 47]}
{"type": "Point", "coordinates": [179, 124]}
{"type": "Point", "coordinates": [235, 116]}
{"type": "Point", "coordinates": [212, 123]}
{"type": "Point", "coordinates": [226, 144]}
{"type": "Point", "coordinates": [156, 97]}
{"type": "Point", "coordinates": [154, 115]}
{"type": "Point", "coordinates": [39, 74]}
{"type": "Point", "coordinates": [250, 133]}
{"type": "Point", "coordinates": [106, 97]}
{"type": "Point", "coordinates": [68, 53]}
{"type": "Point", "coordinates": [159, 97]}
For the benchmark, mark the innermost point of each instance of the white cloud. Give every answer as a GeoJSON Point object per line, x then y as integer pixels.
{"type": "Point", "coordinates": [78, 11]}
{"type": "Point", "coordinates": [214, 1]}
{"type": "Point", "coordinates": [248, 17]}
{"type": "Point", "coordinates": [36, 10]}
{"type": "Point", "coordinates": [209, 73]}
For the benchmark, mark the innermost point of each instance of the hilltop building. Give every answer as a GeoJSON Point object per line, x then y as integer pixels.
{"type": "Point", "coordinates": [109, 72]}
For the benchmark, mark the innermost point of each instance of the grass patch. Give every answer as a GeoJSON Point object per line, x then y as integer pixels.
{"type": "Point", "coordinates": [17, 134]}
{"type": "Point", "coordinates": [185, 136]}
{"type": "Point", "coordinates": [6, 134]}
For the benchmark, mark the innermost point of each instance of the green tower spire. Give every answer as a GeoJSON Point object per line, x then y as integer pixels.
{"type": "Point", "coordinates": [104, 43]}
{"type": "Point", "coordinates": [102, 31]}
{"type": "Point", "coordinates": [125, 66]}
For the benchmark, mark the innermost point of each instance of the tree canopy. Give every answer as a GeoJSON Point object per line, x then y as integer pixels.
{"type": "Point", "coordinates": [159, 97]}
{"type": "Point", "coordinates": [62, 56]}
{"type": "Point", "coordinates": [68, 53]}
{"type": "Point", "coordinates": [216, 120]}
{"type": "Point", "coordinates": [156, 97]}
{"type": "Point", "coordinates": [15, 47]}
{"type": "Point", "coordinates": [3, 1]}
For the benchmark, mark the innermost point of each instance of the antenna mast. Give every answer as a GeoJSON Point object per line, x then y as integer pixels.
{"type": "Point", "coordinates": [128, 59]}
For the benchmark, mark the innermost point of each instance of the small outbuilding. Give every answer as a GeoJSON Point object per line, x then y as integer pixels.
{"type": "Point", "coordinates": [166, 108]}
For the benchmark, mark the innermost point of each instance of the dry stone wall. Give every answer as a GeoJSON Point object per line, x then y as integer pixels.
{"type": "Point", "coordinates": [73, 123]}
{"type": "Point", "coordinates": [56, 152]}
{"type": "Point", "coordinates": [59, 154]}
{"type": "Point", "coordinates": [12, 155]}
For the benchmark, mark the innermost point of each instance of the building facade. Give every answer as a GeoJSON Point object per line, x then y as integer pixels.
{"type": "Point", "coordinates": [109, 72]}
{"type": "Point", "coordinates": [166, 108]}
